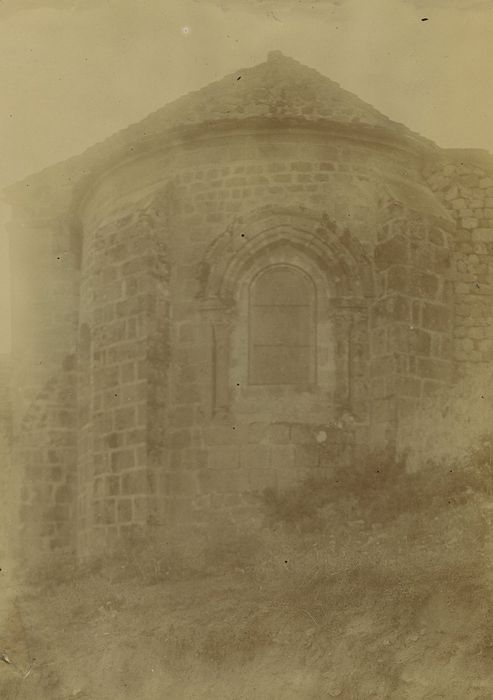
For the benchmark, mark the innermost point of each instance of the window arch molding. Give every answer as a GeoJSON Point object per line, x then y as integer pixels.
{"type": "Point", "coordinates": [342, 275]}
{"type": "Point", "coordinates": [339, 256]}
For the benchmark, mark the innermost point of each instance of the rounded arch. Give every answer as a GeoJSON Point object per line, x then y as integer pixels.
{"type": "Point", "coordinates": [281, 266]}
{"type": "Point", "coordinates": [339, 256]}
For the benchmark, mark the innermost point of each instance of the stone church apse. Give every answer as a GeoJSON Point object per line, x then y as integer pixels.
{"type": "Point", "coordinates": [257, 282]}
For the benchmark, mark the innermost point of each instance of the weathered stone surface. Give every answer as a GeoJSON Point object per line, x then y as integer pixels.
{"type": "Point", "coordinates": [395, 251]}
{"type": "Point", "coordinates": [138, 384]}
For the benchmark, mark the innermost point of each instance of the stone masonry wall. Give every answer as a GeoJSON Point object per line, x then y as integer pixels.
{"type": "Point", "coordinates": [123, 325]}
{"type": "Point", "coordinates": [8, 510]}
{"type": "Point", "coordinates": [463, 181]}
{"type": "Point", "coordinates": [206, 465]}
{"type": "Point", "coordinates": [220, 463]}
{"type": "Point", "coordinates": [210, 466]}
{"type": "Point", "coordinates": [458, 417]}
{"type": "Point", "coordinates": [47, 458]}
{"type": "Point", "coordinates": [411, 321]}
{"type": "Point", "coordinates": [5, 405]}
{"type": "Point", "coordinates": [132, 269]}
{"type": "Point", "coordinates": [152, 448]}
{"type": "Point", "coordinates": [43, 393]}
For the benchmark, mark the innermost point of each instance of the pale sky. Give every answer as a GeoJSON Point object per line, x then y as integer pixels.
{"type": "Point", "coordinates": [75, 71]}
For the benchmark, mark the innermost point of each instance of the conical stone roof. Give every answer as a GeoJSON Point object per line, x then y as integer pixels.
{"type": "Point", "coordinates": [280, 91]}
{"type": "Point", "coordinates": [279, 88]}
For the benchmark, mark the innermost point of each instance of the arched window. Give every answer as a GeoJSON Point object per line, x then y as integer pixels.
{"type": "Point", "coordinates": [282, 330]}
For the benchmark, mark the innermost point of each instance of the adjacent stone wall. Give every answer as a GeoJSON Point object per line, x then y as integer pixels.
{"type": "Point", "coordinates": [411, 322]}
{"type": "Point", "coordinates": [46, 457]}
{"type": "Point", "coordinates": [5, 405]}
{"type": "Point", "coordinates": [463, 181]}
{"type": "Point", "coordinates": [43, 393]}
{"type": "Point", "coordinates": [455, 418]}
{"type": "Point", "coordinates": [8, 485]}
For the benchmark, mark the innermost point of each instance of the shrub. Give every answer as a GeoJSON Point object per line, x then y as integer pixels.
{"type": "Point", "coordinates": [381, 490]}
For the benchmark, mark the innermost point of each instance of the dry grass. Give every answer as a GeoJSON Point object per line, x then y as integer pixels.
{"type": "Point", "coordinates": [365, 585]}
